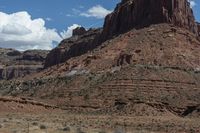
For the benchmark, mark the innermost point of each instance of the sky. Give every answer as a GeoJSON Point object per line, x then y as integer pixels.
{"type": "Point", "coordinates": [42, 24]}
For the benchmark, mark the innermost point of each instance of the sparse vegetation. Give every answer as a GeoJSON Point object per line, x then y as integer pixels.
{"type": "Point", "coordinates": [119, 131]}
{"type": "Point", "coordinates": [35, 124]}
{"type": "Point", "coordinates": [43, 127]}
{"type": "Point", "coordinates": [79, 130]}
{"type": "Point", "coordinates": [66, 129]}
{"type": "Point", "coordinates": [102, 132]}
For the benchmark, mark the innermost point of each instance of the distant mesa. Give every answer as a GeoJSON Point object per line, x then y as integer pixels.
{"type": "Point", "coordinates": [14, 64]}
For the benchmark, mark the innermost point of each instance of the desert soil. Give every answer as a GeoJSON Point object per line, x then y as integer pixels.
{"type": "Point", "coordinates": [65, 122]}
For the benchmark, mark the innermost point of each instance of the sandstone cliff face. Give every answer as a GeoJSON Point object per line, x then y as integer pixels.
{"type": "Point", "coordinates": [14, 64]}
{"type": "Point", "coordinates": [81, 42]}
{"type": "Point", "coordinates": [198, 26]}
{"type": "Point", "coordinates": [140, 13]}
{"type": "Point", "coordinates": [127, 15]}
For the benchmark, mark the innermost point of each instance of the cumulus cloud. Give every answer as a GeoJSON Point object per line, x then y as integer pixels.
{"type": "Point", "coordinates": [97, 11]}
{"type": "Point", "coordinates": [68, 32]}
{"type": "Point", "coordinates": [192, 3]}
{"type": "Point", "coordinates": [20, 31]}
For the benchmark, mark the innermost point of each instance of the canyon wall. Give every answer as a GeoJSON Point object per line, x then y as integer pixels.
{"type": "Point", "coordinates": [131, 14]}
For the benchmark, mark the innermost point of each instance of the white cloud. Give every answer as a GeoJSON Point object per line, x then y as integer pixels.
{"type": "Point", "coordinates": [97, 12]}
{"type": "Point", "coordinates": [68, 32]}
{"type": "Point", "coordinates": [192, 3]}
{"type": "Point", "coordinates": [49, 19]}
{"type": "Point", "coordinates": [20, 31]}
{"type": "Point", "coordinates": [15, 29]}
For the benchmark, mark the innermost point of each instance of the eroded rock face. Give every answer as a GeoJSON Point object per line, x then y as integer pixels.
{"type": "Point", "coordinates": [14, 64]}
{"type": "Point", "coordinates": [124, 59]}
{"type": "Point", "coordinates": [140, 13]}
{"type": "Point", "coordinates": [78, 44]}
{"type": "Point", "coordinates": [198, 26]}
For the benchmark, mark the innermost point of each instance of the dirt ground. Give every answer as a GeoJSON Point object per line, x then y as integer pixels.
{"type": "Point", "coordinates": [82, 123]}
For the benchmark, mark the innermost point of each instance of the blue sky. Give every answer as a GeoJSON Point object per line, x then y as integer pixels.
{"type": "Point", "coordinates": [53, 19]}
{"type": "Point", "coordinates": [58, 10]}
{"type": "Point", "coordinates": [196, 10]}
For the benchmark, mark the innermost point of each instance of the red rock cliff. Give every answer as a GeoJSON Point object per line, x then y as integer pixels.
{"type": "Point", "coordinates": [198, 25]}
{"type": "Point", "coordinates": [140, 13]}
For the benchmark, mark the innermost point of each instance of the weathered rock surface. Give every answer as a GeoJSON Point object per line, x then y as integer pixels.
{"type": "Point", "coordinates": [198, 25]}
{"type": "Point", "coordinates": [14, 64]}
{"type": "Point", "coordinates": [81, 42]}
{"type": "Point", "coordinates": [79, 31]}
{"type": "Point", "coordinates": [131, 14]}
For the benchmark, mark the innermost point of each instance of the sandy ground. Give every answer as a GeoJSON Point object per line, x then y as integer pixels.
{"type": "Point", "coordinates": [75, 123]}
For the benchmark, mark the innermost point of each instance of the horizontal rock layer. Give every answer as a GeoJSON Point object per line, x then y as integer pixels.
{"type": "Point", "coordinates": [14, 64]}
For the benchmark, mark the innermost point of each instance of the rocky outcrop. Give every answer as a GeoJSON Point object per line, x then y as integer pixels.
{"type": "Point", "coordinates": [14, 64]}
{"type": "Point", "coordinates": [79, 31]}
{"type": "Point", "coordinates": [34, 55]}
{"type": "Point", "coordinates": [131, 14]}
{"type": "Point", "coordinates": [81, 42]}
{"type": "Point", "coordinates": [198, 26]}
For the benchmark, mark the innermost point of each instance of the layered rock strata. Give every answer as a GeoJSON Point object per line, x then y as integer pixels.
{"type": "Point", "coordinates": [131, 14]}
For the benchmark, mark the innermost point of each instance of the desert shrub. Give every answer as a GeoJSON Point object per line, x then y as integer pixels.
{"type": "Point", "coordinates": [34, 123]}
{"type": "Point", "coordinates": [119, 131]}
{"type": "Point", "coordinates": [66, 129]}
{"type": "Point", "coordinates": [43, 127]}
{"type": "Point", "coordinates": [14, 131]}
{"type": "Point", "coordinates": [86, 97]}
{"type": "Point", "coordinates": [79, 131]}
{"type": "Point", "coordinates": [102, 132]}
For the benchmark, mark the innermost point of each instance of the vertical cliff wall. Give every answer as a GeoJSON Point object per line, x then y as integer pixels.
{"type": "Point", "coordinates": [198, 26]}
{"type": "Point", "coordinates": [140, 13]}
